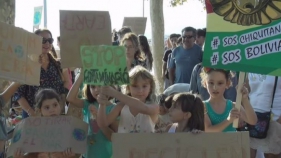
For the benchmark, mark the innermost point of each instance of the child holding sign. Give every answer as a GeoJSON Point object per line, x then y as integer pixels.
{"type": "Point", "coordinates": [187, 113]}
{"type": "Point", "coordinates": [47, 102]}
{"type": "Point", "coordinates": [221, 112]}
{"type": "Point", "coordinates": [99, 145]}
{"type": "Point", "coordinates": [140, 113]}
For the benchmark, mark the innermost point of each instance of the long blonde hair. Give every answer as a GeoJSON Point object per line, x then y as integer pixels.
{"type": "Point", "coordinates": [134, 39]}
{"type": "Point", "coordinates": [141, 72]}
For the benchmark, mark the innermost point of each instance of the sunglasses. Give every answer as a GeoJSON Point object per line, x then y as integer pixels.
{"type": "Point", "coordinates": [45, 40]}
{"type": "Point", "coordinates": [207, 70]}
{"type": "Point", "coordinates": [162, 100]}
{"type": "Point", "coordinates": [188, 37]}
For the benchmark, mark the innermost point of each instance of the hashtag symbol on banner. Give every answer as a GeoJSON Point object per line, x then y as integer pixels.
{"type": "Point", "coordinates": [215, 58]}
{"type": "Point", "coordinates": [215, 43]}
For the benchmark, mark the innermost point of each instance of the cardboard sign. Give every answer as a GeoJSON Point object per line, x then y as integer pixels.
{"type": "Point", "coordinates": [19, 54]}
{"type": "Point", "coordinates": [137, 24]}
{"type": "Point", "coordinates": [79, 28]}
{"type": "Point", "coordinates": [104, 65]}
{"type": "Point", "coordinates": [37, 16]}
{"type": "Point", "coordinates": [182, 145]}
{"type": "Point", "coordinates": [50, 134]}
{"type": "Point", "coordinates": [243, 39]}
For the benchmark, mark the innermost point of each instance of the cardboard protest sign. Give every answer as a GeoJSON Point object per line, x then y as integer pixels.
{"type": "Point", "coordinates": [244, 36]}
{"type": "Point", "coordinates": [104, 65]}
{"type": "Point", "coordinates": [181, 145]}
{"type": "Point", "coordinates": [50, 134]}
{"type": "Point", "coordinates": [79, 28]}
{"type": "Point", "coordinates": [137, 24]}
{"type": "Point", "coordinates": [19, 54]}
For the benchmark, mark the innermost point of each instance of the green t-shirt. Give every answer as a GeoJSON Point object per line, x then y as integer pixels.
{"type": "Point", "coordinates": [216, 118]}
{"type": "Point", "coordinates": [98, 145]}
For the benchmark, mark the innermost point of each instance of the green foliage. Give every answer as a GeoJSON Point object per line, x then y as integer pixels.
{"type": "Point", "coordinates": [175, 3]}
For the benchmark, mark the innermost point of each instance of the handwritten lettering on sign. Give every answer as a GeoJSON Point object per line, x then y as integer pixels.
{"type": "Point", "coordinates": [19, 52]}
{"type": "Point", "coordinates": [104, 65]}
{"type": "Point", "coordinates": [137, 24]}
{"type": "Point", "coordinates": [79, 28]}
{"type": "Point", "coordinates": [50, 134]}
{"type": "Point", "coordinates": [181, 145]}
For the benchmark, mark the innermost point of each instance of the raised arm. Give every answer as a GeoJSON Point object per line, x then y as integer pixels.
{"type": "Point", "coordinates": [72, 96]}
{"type": "Point", "coordinates": [152, 110]}
{"type": "Point", "coordinates": [247, 112]}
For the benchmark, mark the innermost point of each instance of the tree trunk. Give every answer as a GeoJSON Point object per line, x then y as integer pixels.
{"type": "Point", "coordinates": [157, 27]}
{"type": "Point", "coordinates": [7, 15]}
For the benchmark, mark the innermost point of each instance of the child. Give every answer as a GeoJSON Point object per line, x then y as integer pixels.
{"type": "Point", "coordinates": [186, 112]}
{"type": "Point", "coordinates": [221, 112]}
{"type": "Point", "coordinates": [99, 144]}
{"type": "Point", "coordinates": [137, 110]}
{"type": "Point", "coordinates": [164, 118]}
{"type": "Point", "coordinates": [47, 102]}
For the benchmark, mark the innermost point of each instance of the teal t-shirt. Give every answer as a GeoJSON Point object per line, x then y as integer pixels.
{"type": "Point", "coordinates": [218, 118]}
{"type": "Point", "coordinates": [98, 145]}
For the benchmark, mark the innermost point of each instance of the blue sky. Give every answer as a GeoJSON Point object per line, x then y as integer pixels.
{"type": "Point", "coordinates": [176, 18]}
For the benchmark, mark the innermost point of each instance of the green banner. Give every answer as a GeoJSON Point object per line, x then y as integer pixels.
{"type": "Point", "coordinates": [104, 65]}
{"type": "Point", "coordinates": [255, 48]}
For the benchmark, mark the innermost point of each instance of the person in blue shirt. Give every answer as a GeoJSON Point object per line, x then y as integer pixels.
{"type": "Point", "coordinates": [185, 57]}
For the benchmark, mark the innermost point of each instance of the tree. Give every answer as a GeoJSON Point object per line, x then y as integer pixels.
{"type": "Point", "coordinates": [7, 15]}
{"type": "Point", "coordinates": [175, 3]}
{"type": "Point", "coordinates": [157, 28]}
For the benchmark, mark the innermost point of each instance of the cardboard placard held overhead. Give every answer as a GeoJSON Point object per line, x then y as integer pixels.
{"type": "Point", "coordinates": [137, 24]}
{"type": "Point", "coordinates": [19, 54]}
{"type": "Point", "coordinates": [79, 28]}
{"type": "Point", "coordinates": [247, 42]}
{"type": "Point", "coordinates": [50, 134]}
{"type": "Point", "coordinates": [104, 65]}
{"type": "Point", "coordinates": [181, 145]}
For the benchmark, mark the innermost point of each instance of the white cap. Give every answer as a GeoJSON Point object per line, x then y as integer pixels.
{"type": "Point", "coordinates": [177, 88]}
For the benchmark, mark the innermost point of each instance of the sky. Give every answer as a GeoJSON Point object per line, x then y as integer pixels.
{"type": "Point", "coordinates": [176, 18]}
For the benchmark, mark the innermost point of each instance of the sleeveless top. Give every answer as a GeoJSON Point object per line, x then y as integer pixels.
{"type": "Point", "coordinates": [173, 128]}
{"type": "Point", "coordinates": [140, 123]}
{"type": "Point", "coordinates": [218, 118]}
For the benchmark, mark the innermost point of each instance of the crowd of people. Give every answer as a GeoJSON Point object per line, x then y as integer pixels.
{"type": "Point", "coordinates": [196, 99]}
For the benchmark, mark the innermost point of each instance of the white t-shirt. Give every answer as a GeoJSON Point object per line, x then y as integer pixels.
{"type": "Point", "coordinates": [140, 123]}
{"type": "Point", "coordinates": [261, 94]}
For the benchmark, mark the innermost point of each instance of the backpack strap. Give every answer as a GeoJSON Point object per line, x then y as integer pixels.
{"type": "Point", "coordinates": [274, 90]}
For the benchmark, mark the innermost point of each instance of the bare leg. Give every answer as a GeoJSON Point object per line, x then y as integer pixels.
{"type": "Point", "coordinates": [253, 153]}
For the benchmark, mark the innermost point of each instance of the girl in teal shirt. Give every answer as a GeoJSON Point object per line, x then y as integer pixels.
{"type": "Point", "coordinates": [99, 143]}
{"type": "Point", "coordinates": [220, 113]}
